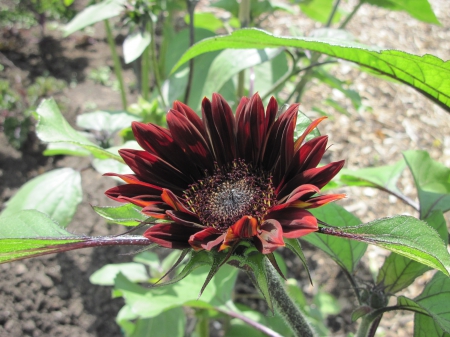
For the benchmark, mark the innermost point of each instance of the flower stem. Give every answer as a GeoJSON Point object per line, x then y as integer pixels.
{"type": "Point", "coordinates": [117, 65]}
{"type": "Point", "coordinates": [145, 59]}
{"type": "Point", "coordinates": [244, 18]}
{"type": "Point", "coordinates": [350, 16]}
{"type": "Point", "coordinates": [155, 61]}
{"type": "Point", "coordinates": [333, 12]}
{"type": "Point", "coordinates": [191, 8]}
{"type": "Point", "coordinates": [286, 307]}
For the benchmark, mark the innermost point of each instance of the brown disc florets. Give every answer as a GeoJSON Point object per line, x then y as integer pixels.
{"type": "Point", "coordinates": [223, 198]}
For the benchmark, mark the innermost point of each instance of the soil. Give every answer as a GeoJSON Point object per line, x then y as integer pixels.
{"type": "Point", "coordinates": [52, 295]}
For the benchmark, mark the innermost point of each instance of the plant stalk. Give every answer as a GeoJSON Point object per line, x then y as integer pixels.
{"type": "Point", "coordinates": [117, 65]}
{"type": "Point", "coordinates": [286, 307]}
{"type": "Point", "coordinates": [244, 18]}
{"type": "Point", "coordinates": [155, 61]}
{"type": "Point", "coordinates": [191, 8]}
{"type": "Point", "coordinates": [369, 324]}
{"type": "Point", "coordinates": [145, 69]}
{"type": "Point", "coordinates": [350, 16]}
{"type": "Point", "coordinates": [333, 13]}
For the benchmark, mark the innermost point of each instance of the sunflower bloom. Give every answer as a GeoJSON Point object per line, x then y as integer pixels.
{"type": "Point", "coordinates": [224, 178]}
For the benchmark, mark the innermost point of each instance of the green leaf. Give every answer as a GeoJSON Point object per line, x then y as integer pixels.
{"type": "Point", "coordinates": [319, 10]}
{"type": "Point", "coordinates": [419, 9]}
{"type": "Point", "coordinates": [404, 235]}
{"type": "Point", "coordinates": [56, 193]}
{"type": "Point", "coordinates": [31, 233]}
{"type": "Point", "coordinates": [169, 323]}
{"type": "Point", "coordinates": [432, 181]}
{"type": "Point", "coordinates": [425, 326]}
{"type": "Point", "coordinates": [135, 44]}
{"type": "Point", "coordinates": [428, 74]}
{"type": "Point", "coordinates": [53, 128]}
{"type": "Point", "coordinates": [67, 149]}
{"type": "Point", "coordinates": [105, 276]}
{"type": "Point", "coordinates": [294, 246]}
{"type": "Point", "coordinates": [230, 62]}
{"type": "Point", "coordinates": [103, 166]}
{"type": "Point", "coordinates": [94, 13]}
{"type": "Point", "coordinates": [346, 253]}
{"type": "Point", "coordinates": [398, 271]}
{"type": "Point", "coordinates": [127, 215]}
{"type": "Point", "coordinates": [433, 301]}
{"type": "Point", "coordinates": [151, 302]}
{"type": "Point", "coordinates": [104, 120]}
{"type": "Point", "coordinates": [302, 124]}
{"type": "Point", "coordinates": [267, 74]}
{"type": "Point", "coordinates": [382, 177]}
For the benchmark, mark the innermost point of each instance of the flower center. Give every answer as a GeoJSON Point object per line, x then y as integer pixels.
{"type": "Point", "coordinates": [223, 198]}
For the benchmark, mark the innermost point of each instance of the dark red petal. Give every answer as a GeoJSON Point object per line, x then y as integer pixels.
{"type": "Point", "coordinates": [206, 239]}
{"type": "Point", "coordinates": [295, 195]}
{"type": "Point", "coordinates": [170, 235]}
{"type": "Point", "coordinates": [156, 210]}
{"type": "Point", "coordinates": [220, 127]}
{"type": "Point", "coordinates": [141, 195]}
{"type": "Point", "coordinates": [188, 138]}
{"type": "Point", "coordinates": [245, 227]}
{"type": "Point", "coordinates": [308, 130]}
{"type": "Point", "coordinates": [229, 240]}
{"type": "Point", "coordinates": [317, 201]}
{"type": "Point", "coordinates": [173, 201]}
{"type": "Point", "coordinates": [270, 237]}
{"type": "Point", "coordinates": [251, 130]}
{"type": "Point", "coordinates": [296, 222]}
{"type": "Point", "coordinates": [159, 141]}
{"type": "Point", "coordinates": [132, 179]}
{"type": "Point", "coordinates": [154, 170]}
{"type": "Point", "coordinates": [279, 149]}
{"type": "Point", "coordinates": [271, 113]}
{"type": "Point", "coordinates": [191, 116]}
{"type": "Point", "coordinates": [316, 176]}
{"type": "Point", "coordinates": [241, 107]}
{"type": "Point", "coordinates": [184, 219]}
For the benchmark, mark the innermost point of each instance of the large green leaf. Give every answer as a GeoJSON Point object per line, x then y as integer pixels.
{"type": "Point", "coordinates": [426, 326]}
{"type": "Point", "coordinates": [432, 181]}
{"type": "Point", "coordinates": [345, 252]}
{"type": "Point", "coordinates": [56, 193]}
{"type": "Point", "coordinates": [169, 323]}
{"type": "Point", "coordinates": [433, 301]}
{"type": "Point", "coordinates": [398, 271]}
{"type": "Point", "coordinates": [135, 44]}
{"type": "Point", "coordinates": [419, 9]}
{"type": "Point", "coordinates": [404, 235]}
{"type": "Point", "coordinates": [31, 233]}
{"type": "Point", "coordinates": [428, 74]}
{"type": "Point", "coordinates": [105, 120]}
{"type": "Point", "coordinates": [53, 128]}
{"type": "Point", "coordinates": [94, 13]}
{"type": "Point", "coordinates": [105, 276]}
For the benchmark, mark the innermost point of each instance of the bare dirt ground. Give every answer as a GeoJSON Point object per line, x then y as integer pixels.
{"type": "Point", "coordinates": [52, 296]}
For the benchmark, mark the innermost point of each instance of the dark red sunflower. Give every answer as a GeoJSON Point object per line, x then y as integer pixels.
{"type": "Point", "coordinates": [226, 178]}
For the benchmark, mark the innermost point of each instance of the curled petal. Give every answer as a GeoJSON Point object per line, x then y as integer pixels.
{"type": "Point", "coordinates": [170, 235]}
{"type": "Point", "coordinates": [137, 194]}
{"type": "Point", "coordinates": [294, 221]}
{"type": "Point", "coordinates": [184, 219]}
{"type": "Point", "coordinates": [156, 210]}
{"type": "Point", "coordinates": [173, 201]}
{"type": "Point", "coordinates": [317, 201]}
{"type": "Point", "coordinates": [308, 130]}
{"type": "Point", "coordinates": [206, 239]}
{"type": "Point", "coordinates": [245, 227]}
{"type": "Point", "coordinates": [270, 237]}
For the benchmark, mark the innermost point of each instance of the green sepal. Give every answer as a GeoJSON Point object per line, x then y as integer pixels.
{"type": "Point", "coordinates": [296, 248]}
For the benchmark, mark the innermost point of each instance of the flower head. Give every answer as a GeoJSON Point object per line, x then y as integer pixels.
{"type": "Point", "coordinates": [223, 178]}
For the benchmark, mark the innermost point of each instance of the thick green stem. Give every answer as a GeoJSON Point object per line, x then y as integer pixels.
{"type": "Point", "coordinates": [244, 18]}
{"type": "Point", "coordinates": [117, 65]}
{"type": "Point", "coordinates": [155, 62]}
{"type": "Point", "coordinates": [300, 87]}
{"type": "Point", "coordinates": [369, 324]}
{"type": "Point", "coordinates": [286, 307]}
{"type": "Point", "coordinates": [202, 327]}
{"type": "Point", "coordinates": [350, 16]}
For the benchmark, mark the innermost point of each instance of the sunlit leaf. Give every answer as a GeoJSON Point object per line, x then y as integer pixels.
{"type": "Point", "coordinates": [127, 215]}
{"type": "Point", "coordinates": [404, 235]}
{"type": "Point", "coordinates": [94, 13]}
{"type": "Point", "coordinates": [345, 252]}
{"type": "Point", "coordinates": [433, 301]}
{"type": "Point", "coordinates": [319, 10]}
{"type": "Point", "coordinates": [56, 193]}
{"type": "Point", "coordinates": [428, 74]}
{"type": "Point", "coordinates": [398, 271]}
{"type": "Point", "coordinates": [105, 276]}
{"type": "Point", "coordinates": [206, 21]}
{"type": "Point", "coordinates": [53, 128]}
{"type": "Point", "coordinates": [426, 326]}
{"type": "Point", "coordinates": [419, 9]}
{"type": "Point", "coordinates": [432, 181]}
{"type": "Point", "coordinates": [67, 149]}
{"type": "Point", "coordinates": [106, 121]}
{"type": "Point", "coordinates": [135, 44]}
